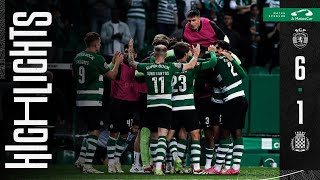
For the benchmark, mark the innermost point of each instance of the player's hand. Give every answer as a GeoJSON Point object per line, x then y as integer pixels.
{"type": "Point", "coordinates": [253, 30]}
{"type": "Point", "coordinates": [212, 48]}
{"type": "Point", "coordinates": [117, 36]}
{"type": "Point", "coordinates": [114, 57]}
{"type": "Point", "coordinates": [130, 45]}
{"type": "Point", "coordinates": [196, 50]}
{"type": "Point", "coordinates": [118, 57]}
{"type": "Point", "coordinates": [227, 54]}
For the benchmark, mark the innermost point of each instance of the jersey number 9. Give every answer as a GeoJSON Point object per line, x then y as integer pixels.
{"type": "Point", "coordinates": [81, 74]}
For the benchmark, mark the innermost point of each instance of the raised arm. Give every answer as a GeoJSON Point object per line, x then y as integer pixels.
{"type": "Point", "coordinates": [212, 60]}
{"type": "Point", "coordinates": [131, 60]}
{"type": "Point", "coordinates": [193, 61]}
{"type": "Point", "coordinates": [118, 59]}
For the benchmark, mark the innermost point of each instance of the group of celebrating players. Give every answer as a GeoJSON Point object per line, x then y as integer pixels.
{"type": "Point", "coordinates": [190, 85]}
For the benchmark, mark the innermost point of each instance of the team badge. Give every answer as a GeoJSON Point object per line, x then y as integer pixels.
{"type": "Point", "coordinates": [300, 38]}
{"type": "Point", "coordinates": [300, 142]}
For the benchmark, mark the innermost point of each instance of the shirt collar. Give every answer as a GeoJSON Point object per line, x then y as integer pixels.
{"type": "Point", "coordinates": [199, 28]}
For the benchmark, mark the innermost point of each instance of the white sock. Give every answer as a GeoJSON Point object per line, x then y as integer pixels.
{"type": "Point", "coordinates": [158, 165]}
{"type": "Point", "coordinates": [110, 162]}
{"type": "Point", "coordinates": [236, 166]}
{"type": "Point", "coordinates": [175, 155]}
{"type": "Point", "coordinates": [208, 163]}
{"type": "Point", "coordinates": [116, 160]}
{"type": "Point", "coordinates": [81, 159]}
{"type": "Point", "coordinates": [196, 166]}
{"type": "Point", "coordinates": [217, 167]}
{"type": "Point", "coordinates": [136, 156]}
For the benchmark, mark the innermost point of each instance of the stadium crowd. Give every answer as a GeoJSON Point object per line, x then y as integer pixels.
{"type": "Point", "coordinates": [254, 41]}
{"type": "Point", "coordinates": [155, 82]}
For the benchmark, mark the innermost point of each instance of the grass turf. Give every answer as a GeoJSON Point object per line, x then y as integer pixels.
{"type": "Point", "coordinates": [65, 172]}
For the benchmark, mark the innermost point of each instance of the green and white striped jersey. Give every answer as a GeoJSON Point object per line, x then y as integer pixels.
{"type": "Point", "coordinates": [183, 85]}
{"type": "Point", "coordinates": [88, 69]}
{"type": "Point", "coordinates": [159, 78]}
{"type": "Point", "coordinates": [217, 95]}
{"type": "Point", "coordinates": [136, 10]}
{"type": "Point", "coordinates": [229, 79]}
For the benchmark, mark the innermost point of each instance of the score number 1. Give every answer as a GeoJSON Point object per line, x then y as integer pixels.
{"type": "Point", "coordinates": [300, 75]}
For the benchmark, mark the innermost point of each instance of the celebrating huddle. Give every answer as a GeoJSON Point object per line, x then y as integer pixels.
{"type": "Point", "coordinates": [190, 87]}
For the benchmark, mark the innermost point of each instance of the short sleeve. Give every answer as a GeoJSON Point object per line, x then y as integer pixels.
{"type": "Point", "coordinates": [176, 67]}
{"type": "Point", "coordinates": [102, 65]}
{"type": "Point", "coordinates": [141, 67]}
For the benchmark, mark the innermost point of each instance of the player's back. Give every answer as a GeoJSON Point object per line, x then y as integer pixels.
{"type": "Point", "coordinates": [88, 70]}
{"type": "Point", "coordinates": [183, 90]}
{"type": "Point", "coordinates": [230, 80]}
{"type": "Point", "coordinates": [159, 78]}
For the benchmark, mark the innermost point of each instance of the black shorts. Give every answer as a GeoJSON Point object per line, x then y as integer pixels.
{"type": "Point", "coordinates": [92, 116]}
{"type": "Point", "coordinates": [122, 115]}
{"type": "Point", "coordinates": [209, 112]}
{"type": "Point", "coordinates": [157, 117]}
{"type": "Point", "coordinates": [187, 119]}
{"type": "Point", "coordinates": [234, 113]}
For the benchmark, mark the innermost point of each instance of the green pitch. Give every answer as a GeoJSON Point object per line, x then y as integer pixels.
{"type": "Point", "coordinates": [65, 172]}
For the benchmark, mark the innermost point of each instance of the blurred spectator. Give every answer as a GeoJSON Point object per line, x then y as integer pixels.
{"type": "Point", "coordinates": [191, 4]}
{"type": "Point", "coordinates": [178, 34]}
{"type": "Point", "coordinates": [57, 36]}
{"type": "Point", "coordinates": [269, 26]}
{"type": "Point", "coordinates": [232, 34]}
{"type": "Point", "coordinates": [255, 30]}
{"type": "Point", "coordinates": [167, 17]}
{"type": "Point", "coordinates": [114, 35]}
{"type": "Point", "coordinates": [272, 45]}
{"type": "Point", "coordinates": [137, 20]}
{"type": "Point", "coordinates": [271, 37]}
{"type": "Point", "coordinates": [241, 6]}
{"type": "Point", "coordinates": [99, 11]}
{"type": "Point", "coordinates": [272, 3]}
{"type": "Point", "coordinates": [122, 5]}
{"type": "Point", "coordinates": [181, 5]}
{"type": "Point", "coordinates": [241, 14]}
{"type": "Point", "coordinates": [214, 9]}
{"type": "Point", "coordinates": [242, 10]}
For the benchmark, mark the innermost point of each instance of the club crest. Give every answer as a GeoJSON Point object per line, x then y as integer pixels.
{"type": "Point", "coordinates": [300, 142]}
{"type": "Point", "coordinates": [300, 38]}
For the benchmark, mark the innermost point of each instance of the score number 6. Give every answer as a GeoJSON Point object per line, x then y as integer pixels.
{"type": "Point", "coordinates": [300, 75]}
